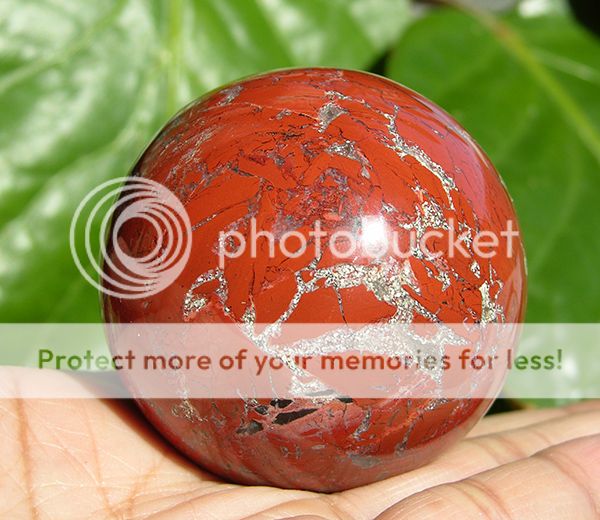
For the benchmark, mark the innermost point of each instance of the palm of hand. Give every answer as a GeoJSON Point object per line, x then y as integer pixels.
{"type": "Point", "coordinates": [99, 459]}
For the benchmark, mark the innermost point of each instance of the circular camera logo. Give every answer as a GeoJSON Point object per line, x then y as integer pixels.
{"type": "Point", "coordinates": [127, 276]}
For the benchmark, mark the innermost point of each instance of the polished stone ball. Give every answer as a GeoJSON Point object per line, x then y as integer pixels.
{"type": "Point", "coordinates": [354, 152]}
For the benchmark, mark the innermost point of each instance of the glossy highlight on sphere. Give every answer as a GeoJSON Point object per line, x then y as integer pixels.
{"type": "Point", "coordinates": [286, 149]}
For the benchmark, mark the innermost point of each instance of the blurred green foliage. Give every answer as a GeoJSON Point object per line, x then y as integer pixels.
{"type": "Point", "coordinates": [528, 90]}
{"type": "Point", "coordinates": [85, 85]}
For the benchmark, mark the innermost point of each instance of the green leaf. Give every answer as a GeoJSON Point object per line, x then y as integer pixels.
{"type": "Point", "coordinates": [527, 89]}
{"type": "Point", "coordinates": [85, 85]}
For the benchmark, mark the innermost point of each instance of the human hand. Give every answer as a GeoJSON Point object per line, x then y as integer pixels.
{"type": "Point", "coordinates": [96, 459]}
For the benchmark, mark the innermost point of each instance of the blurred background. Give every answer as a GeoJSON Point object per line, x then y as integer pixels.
{"type": "Point", "coordinates": [85, 85]}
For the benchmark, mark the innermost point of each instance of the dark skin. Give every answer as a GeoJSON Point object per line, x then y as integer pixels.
{"type": "Point", "coordinates": [92, 458]}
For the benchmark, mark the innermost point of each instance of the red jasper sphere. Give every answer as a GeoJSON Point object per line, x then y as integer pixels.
{"type": "Point", "coordinates": [347, 149]}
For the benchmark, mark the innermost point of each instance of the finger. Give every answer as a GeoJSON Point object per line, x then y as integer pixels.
{"type": "Point", "coordinates": [560, 482]}
{"type": "Point", "coordinates": [522, 418]}
{"type": "Point", "coordinates": [328, 515]}
{"type": "Point", "coordinates": [302, 517]}
{"type": "Point", "coordinates": [470, 457]}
